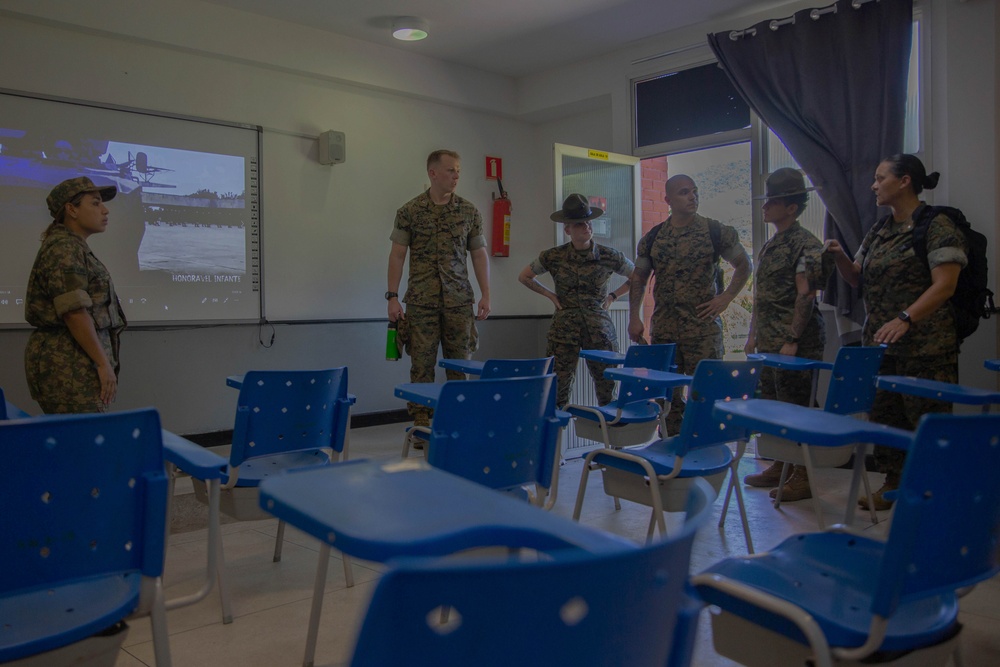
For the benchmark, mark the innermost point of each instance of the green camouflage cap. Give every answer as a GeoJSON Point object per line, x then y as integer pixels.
{"type": "Point", "coordinates": [65, 191]}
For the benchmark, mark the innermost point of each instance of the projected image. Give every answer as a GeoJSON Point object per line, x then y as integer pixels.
{"type": "Point", "coordinates": [182, 237]}
{"type": "Point", "coordinates": [181, 211]}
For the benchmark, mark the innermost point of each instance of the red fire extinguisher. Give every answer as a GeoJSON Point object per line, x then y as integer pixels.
{"type": "Point", "coordinates": [501, 223]}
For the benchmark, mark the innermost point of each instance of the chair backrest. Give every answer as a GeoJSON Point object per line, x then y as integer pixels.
{"type": "Point", "coordinates": [654, 357]}
{"type": "Point", "coordinates": [715, 380]}
{"type": "Point", "coordinates": [86, 495]}
{"type": "Point", "coordinates": [658, 357]}
{"type": "Point", "coordinates": [289, 411]}
{"type": "Point", "coordinates": [852, 380]}
{"type": "Point", "coordinates": [577, 609]}
{"type": "Point", "coordinates": [945, 531]}
{"type": "Point", "coordinates": [514, 368]}
{"type": "Point", "coordinates": [500, 433]}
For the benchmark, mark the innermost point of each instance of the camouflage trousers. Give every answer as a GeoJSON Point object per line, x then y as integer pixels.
{"type": "Point", "coordinates": [904, 411]}
{"type": "Point", "coordinates": [687, 354]}
{"type": "Point", "coordinates": [567, 356]}
{"type": "Point", "coordinates": [453, 329]}
{"type": "Point", "coordinates": [61, 377]}
{"type": "Point", "coordinates": [789, 386]}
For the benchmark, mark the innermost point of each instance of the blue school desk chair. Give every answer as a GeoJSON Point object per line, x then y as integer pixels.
{"type": "Point", "coordinates": [836, 597]}
{"type": "Point", "coordinates": [82, 536]}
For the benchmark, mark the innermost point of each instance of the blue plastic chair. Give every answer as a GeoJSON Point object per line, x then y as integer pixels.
{"type": "Point", "coordinates": [632, 418]}
{"type": "Point", "coordinates": [501, 433]}
{"type": "Point", "coordinates": [700, 450]}
{"type": "Point", "coordinates": [851, 391]}
{"type": "Point", "coordinates": [839, 596]}
{"type": "Point", "coordinates": [515, 368]}
{"type": "Point", "coordinates": [82, 535]}
{"type": "Point", "coordinates": [10, 411]}
{"type": "Point", "coordinates": [624, 608]}
{"type": "Point", "coordinates": [285, 420]}
{"type": "Point", "coordinates": [491, 369]}
{"type": "Point", "coordinates": [941, 391]}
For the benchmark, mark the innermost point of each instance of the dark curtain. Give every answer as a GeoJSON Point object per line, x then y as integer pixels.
{"type": "Point", "coordinates": [833, 88]}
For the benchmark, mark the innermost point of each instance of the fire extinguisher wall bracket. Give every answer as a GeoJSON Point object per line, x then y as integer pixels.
{"type": "Point", "coordinates": [501, 223]}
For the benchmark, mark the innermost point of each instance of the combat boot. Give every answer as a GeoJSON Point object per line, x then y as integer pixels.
{"type": "Point", "coordinates": [891, 484]}
{"type": "Point", "coordinates": [796, 486]}
{"type": "Point", "coordinates": [766, 479]}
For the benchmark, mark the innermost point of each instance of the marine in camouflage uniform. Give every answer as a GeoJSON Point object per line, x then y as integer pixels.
{"type": "Point", "coordinates": [66, 277]}
{"type": "Point", "coordinates": [686, 293]}
{"type": "Point", "coordinates": [791, 267]}
{"type": "Point", "coordinates": [894, 278]}
{"type": "Point", "coordinates": [581, 271]}
{"type": "Point", "coordinates": [439, 293]}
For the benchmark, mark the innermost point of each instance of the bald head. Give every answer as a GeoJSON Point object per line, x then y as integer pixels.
{"type": "Point", "coordinates": [676, 182]}
{"type": "Point", "coordinates": [682, 196]}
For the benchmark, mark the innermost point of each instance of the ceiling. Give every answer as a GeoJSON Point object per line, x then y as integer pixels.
{"type": "Point", "coordinates": [510, 37]}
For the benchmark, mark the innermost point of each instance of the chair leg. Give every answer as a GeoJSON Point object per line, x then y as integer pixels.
{"type": "Point", "coordinates": [279, 541]}
{"type": "Point", "coordinates": [734, 485]}
{"type": "Point", "coordinates": [158, 620]}
{"type": "Point", "coordinates": [956, 657]}
{"type": "Point", "coordinates": [223, 577]}
{"type": "Point", "coordinates": [348, 572]}
{"type": "Point", "coordinates": [583, 486]}
{"type": "Point", "coordinates": [810, 473]}
{"type": "Point", "coordinates": [785, 468]}
{"type": "Point", "coordinates": [859, 474]}
{"type": "Point", "coordinates": [317, 605]}
{"type": "Point", "coordinates": [652, 525]}
{"type": "Point", "coordinates": [406, 444]}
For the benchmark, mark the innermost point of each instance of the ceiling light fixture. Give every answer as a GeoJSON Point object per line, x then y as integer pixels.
{"type": "Point", "coordinates": [409, 28]}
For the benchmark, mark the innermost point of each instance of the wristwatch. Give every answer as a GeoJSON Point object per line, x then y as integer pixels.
{"type": "Point", "coordinates": [391, 295]}
{"type": "Point", "coordinates": [905, 316]}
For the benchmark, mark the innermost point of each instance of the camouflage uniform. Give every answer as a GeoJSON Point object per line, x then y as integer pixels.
{"type": "Point", "coordinates": [439, 296]}
{"type": "Point", "coordinates": [581, 280]}
{"type": "Point", "coordinates": [894, 277]}
{"type": "Point", "coordinates": [787, 253]}
{"type": "Point", "coordinates": [685, 273]}
{"type": "Point", "coordinates": [67, 276]}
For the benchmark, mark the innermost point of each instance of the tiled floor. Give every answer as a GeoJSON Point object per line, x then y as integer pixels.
{"type": "Point", "coordinates": [271, 600]}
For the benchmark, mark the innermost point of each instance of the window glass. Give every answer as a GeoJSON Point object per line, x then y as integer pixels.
{"type": "Point", "coordinates": [688, 103]}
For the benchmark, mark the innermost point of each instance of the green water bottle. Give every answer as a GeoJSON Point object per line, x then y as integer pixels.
{"type": "Point", "coordinates": [391, 347]}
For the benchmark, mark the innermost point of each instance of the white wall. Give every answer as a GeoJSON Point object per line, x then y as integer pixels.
{"type": "Point", "coordinates": [326, 228]}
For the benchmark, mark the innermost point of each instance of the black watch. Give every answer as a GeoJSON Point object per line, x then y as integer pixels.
{"type": "Point", "coordinates": [391, 295]}
{"type": "Point", "coordinates": [905, 316]}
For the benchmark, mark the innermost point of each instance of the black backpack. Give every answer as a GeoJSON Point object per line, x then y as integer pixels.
{"type": "Point", "coordinates": [973, 299]}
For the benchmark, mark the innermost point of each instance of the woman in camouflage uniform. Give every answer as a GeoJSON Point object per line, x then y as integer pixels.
{"type": "Point", "coordinates": [906, 299]}
{"type": "Point", "coordinates": [786, 319]}
{"type": "Point", "coordinates": [71, 360]}
{"type": "Point", "coordinates": [581, 271]}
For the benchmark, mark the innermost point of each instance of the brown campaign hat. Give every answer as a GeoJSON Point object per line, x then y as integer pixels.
{"type": "Point", "coordinates": [576, 208]}
{"type": "Point", "coordinates": [784, 182]}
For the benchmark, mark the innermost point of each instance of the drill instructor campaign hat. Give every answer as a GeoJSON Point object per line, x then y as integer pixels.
{"type": "Point", "coordinates": [576, 208]}
{"type": "Point", "coordinates": [65, 191]}
{"type": "Point", "coordinates": [785, 182]}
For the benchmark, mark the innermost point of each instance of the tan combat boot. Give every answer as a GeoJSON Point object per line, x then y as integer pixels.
{"type": "Point", "coordinates": [891, 484]}
{"type": "Point", "coordinates": [796, 486]}
{"type": "Point", "coordinates": [766, 479]}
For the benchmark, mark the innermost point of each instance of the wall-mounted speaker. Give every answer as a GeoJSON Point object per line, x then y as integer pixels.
{"type": "Point", "coordinates": [332, 147]}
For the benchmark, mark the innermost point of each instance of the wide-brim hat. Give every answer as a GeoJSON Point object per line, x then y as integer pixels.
{"type": "Point", "coordinates": [785, 182]}
{"type": "Point", "coordinates": [576, 208]}
{"type": "Point", "coordinates": [67, 190]}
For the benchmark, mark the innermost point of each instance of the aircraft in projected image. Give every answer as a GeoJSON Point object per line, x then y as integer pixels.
{"type": "Point", "coordinates": [28, 161]}
{"type": "Point", "coordinates": [137, 168]}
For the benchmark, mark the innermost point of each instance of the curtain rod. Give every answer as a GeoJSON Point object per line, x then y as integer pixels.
{"type": "Point", "coordinates": [672, 52]}
{"type": "Point", "coordinates": [814, 14]}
